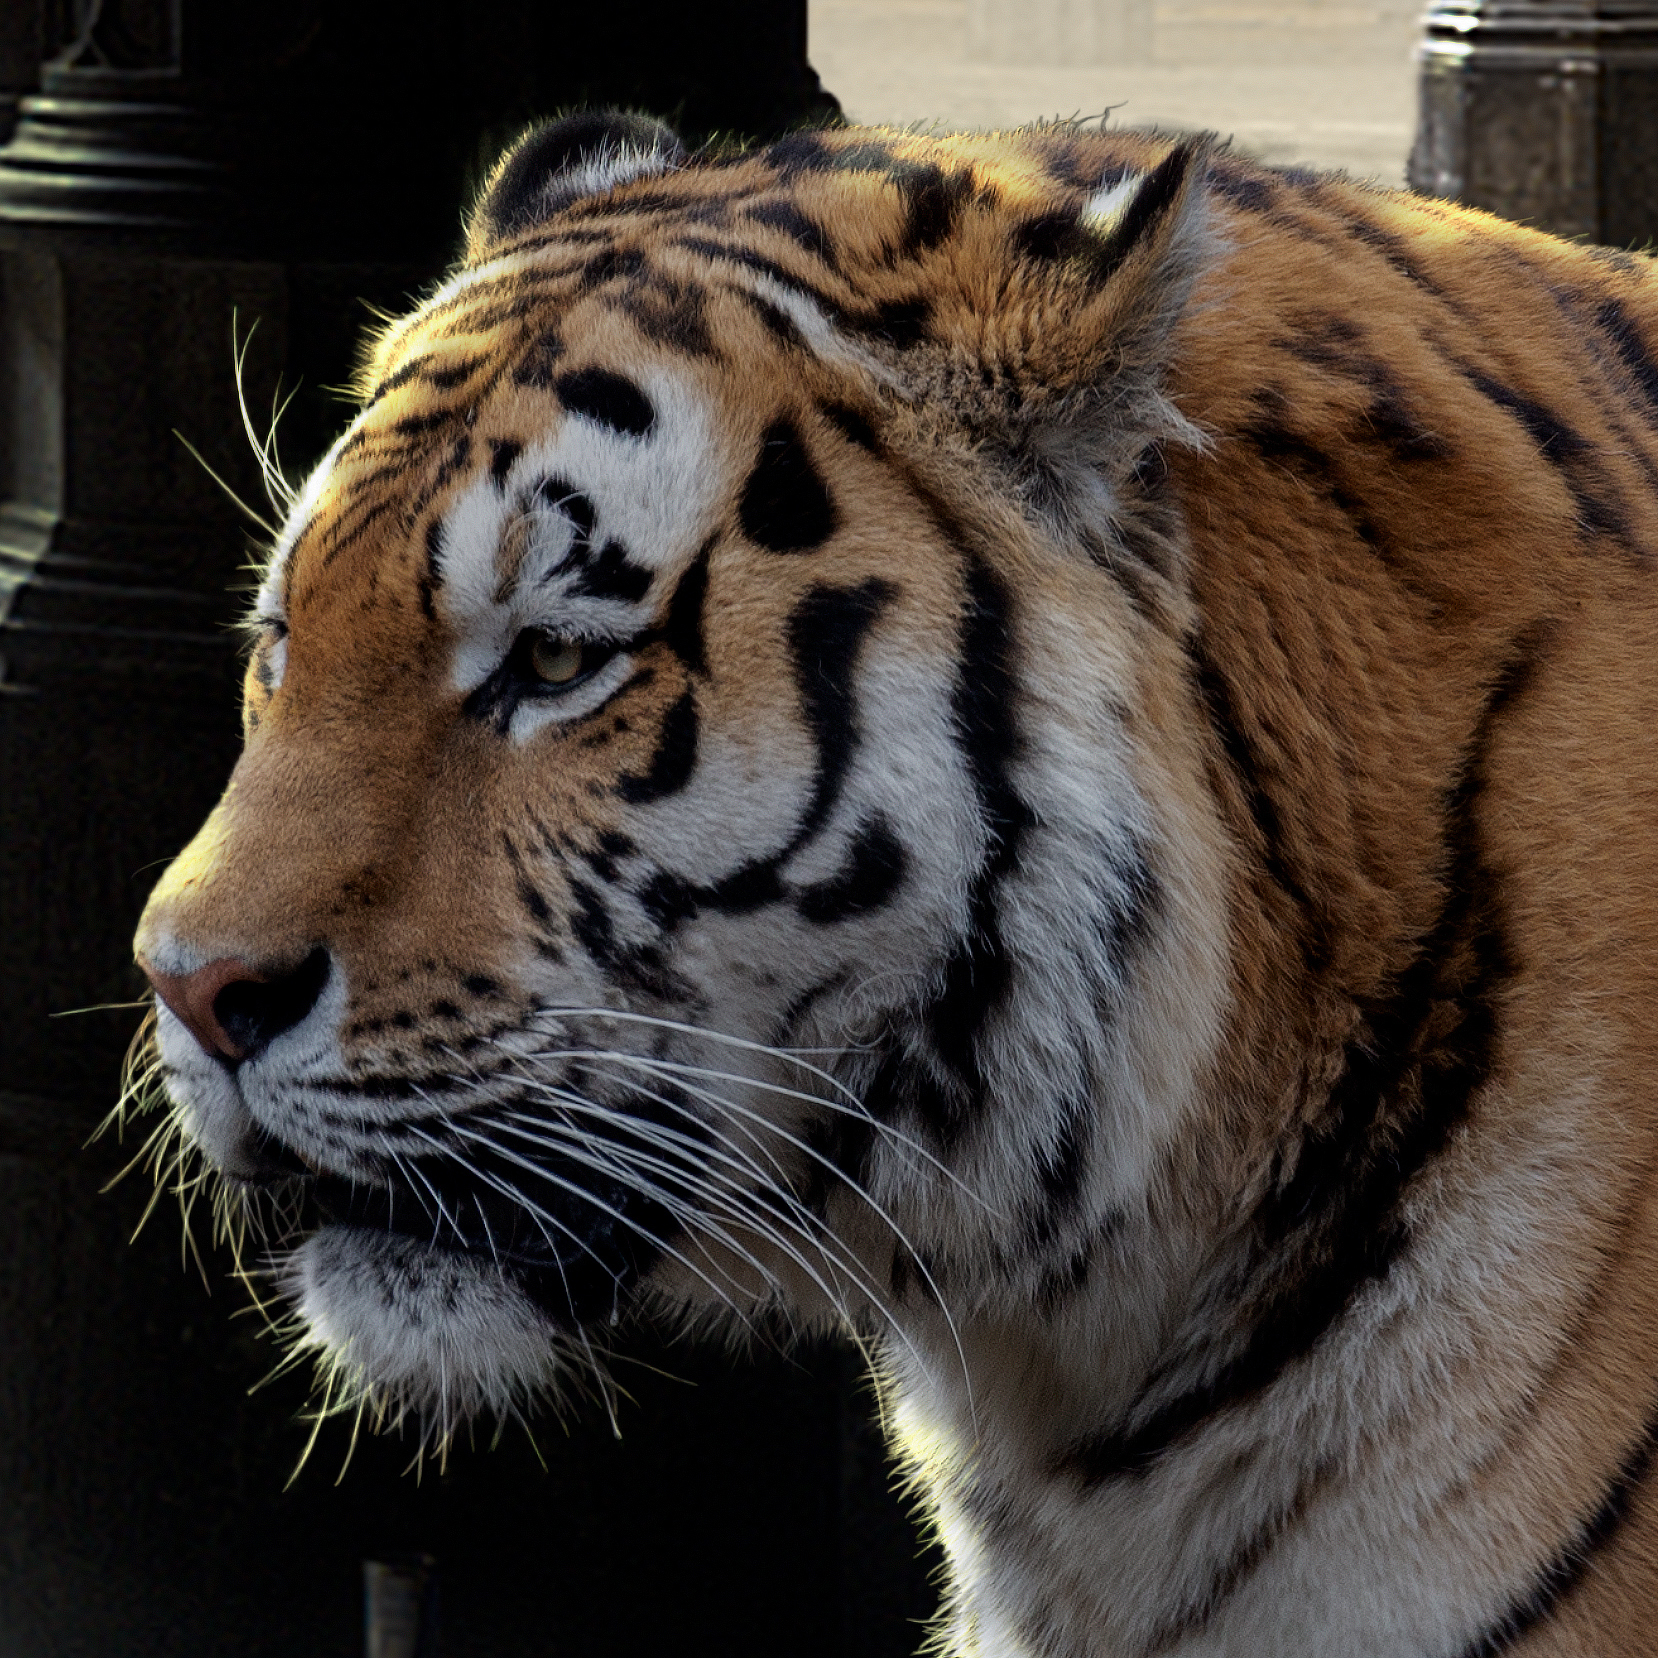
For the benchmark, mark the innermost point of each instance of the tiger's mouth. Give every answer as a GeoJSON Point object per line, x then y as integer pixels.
{"type": "Point", "coordinates": [575, 1241]}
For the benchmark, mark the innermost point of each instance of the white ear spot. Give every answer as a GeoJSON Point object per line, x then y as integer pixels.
{"type": "Point", "coordinates": [604, 169]}
{"type": "Point", "coordinates": [1106, 205]}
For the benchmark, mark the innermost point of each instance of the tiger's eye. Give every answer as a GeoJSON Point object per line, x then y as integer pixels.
{"type": "Point", "coordinates": [556, 661]}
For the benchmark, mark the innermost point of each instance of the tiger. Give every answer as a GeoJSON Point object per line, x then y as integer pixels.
{"type": "Point", "coordinates": [1036, 747]}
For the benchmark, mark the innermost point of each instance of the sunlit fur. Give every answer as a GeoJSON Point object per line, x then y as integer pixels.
{"type": "Point", "coordinates": [1102, 839]}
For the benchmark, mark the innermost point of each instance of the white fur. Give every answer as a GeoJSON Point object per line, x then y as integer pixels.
{"type": "Point", "coordinates": [600, 170]}
{"type": "Point", "coordinates": [367, 1300]}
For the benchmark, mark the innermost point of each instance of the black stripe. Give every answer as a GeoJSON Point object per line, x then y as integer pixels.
{"type": "Point", "coordinates": [560, 495]}
{"type": "Point", "coordinates": [666, 899]}
{"type": "Point", "coordinates": [417, 425]}
{"type": "Point", "coordinates": [681, 629]}
{"type": "Point", "coordinates": [529, 895]}
{"type": "Point", "coordinates": [1313, 927]}
{"type": "Point", "coordinates": [1394, 252]}
{"type": "Point", "coordinates": [613, 265]}
{"type": "Point", "coordinates": [1625, 335]}
{"type": "Point", "coordinates": [611, 574]}
{"type": "Point", "coordinates": [787, 217]}
{"type": "Point", "coordinates": [933, 202]}
{"type": "Point", "coordinates": [539, 365]}
{"type": "Point", "coordinates": [1273, 438]}
{"type": "Point", "coordinates": [800, 152]}
{"type": "Point", "coordinates": [1057, 234]}
{"type": "Point", "coordinates": [852, 425]}
{"type": "Point", "coordinates": [1248, 1554]}
{"type": "Point", "coordinates": [1566, 450]}
{"type": "Point", "coordinates": [608, 398]}
{"type": "Point", "coordinates": [748, 888]}
{"type": "Point", "coordinates": [467, 318]}
{"type": "Point", "coordinates": [1125, 910]}
{"type": "Point", "coordinates": [842, 1142]}
{"type": "Point", "coordinates": [800, 1005]}
{"type": "Point", "coordinates": [1332, 1225]}
{"type": "Point", "coordinates": [1556, 1580]}
{"type": "Point", "coordinates": [420, 368]}
{"type": "Point", "coordinates": [1587, 312]}
{"type": "Point", "coordinates": [979, 972]}
{"type": "Point", "coordinates": [1249, 191]}
{"type": "Point", "coordinates": [786, 507]}
{"type": "Point", "coordinates": [750, 260]}
{"type": "Point", "coordinates": [446, 379]}
{"type": "Point", "coordinates": [431, 578]}
{"type": "Point", "coordinates": [826, 631]}
{"type": "Point", "coordinates": [591, 923]}
{"type": "Point", "coordinates": [874, 871]}
{"type": "Point", "coordinates": [502, 453]}
{"type": "Point", "coordinates": [353, 523]}
{"type": "Point", "coordinates": [1068, 163]}
{"type": "Point", "coordinates": [776, 321]}
{"type": "Point", "coordinates": [1060, 1171]}
{"type": "Point", "coordinates": [1335, 344]}
{"type": "Point", "coordinates": [869, 155]}
{"type": "Point", "coordinates": [671, 313]}
{"type": "Point", "coordinates": [411, 370]}
{"type": "Point", "coordinates": [901, 323]}
{"type": "Point", "coordinates": [643, 204]}
{"type": "Point", "coordinates": [460, 452]}
{"type": "Point", "coordinates": [567, 234]}
{"type": "Point", "coordinates": [674, 760]}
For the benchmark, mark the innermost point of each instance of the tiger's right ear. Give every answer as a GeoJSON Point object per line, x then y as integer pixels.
{"type": "Point", "coordinates": [559, 162]}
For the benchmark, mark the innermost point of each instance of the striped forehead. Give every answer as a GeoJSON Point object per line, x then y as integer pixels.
{"type": "Point", "coordinates": [571, 529]}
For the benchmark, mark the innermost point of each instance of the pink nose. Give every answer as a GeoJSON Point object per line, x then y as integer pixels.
{"type": "Point", "coordinates": [193, 998]}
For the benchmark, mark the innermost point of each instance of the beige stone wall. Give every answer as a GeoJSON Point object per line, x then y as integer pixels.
{"type": "Point", "coordinates": [1327, 83]}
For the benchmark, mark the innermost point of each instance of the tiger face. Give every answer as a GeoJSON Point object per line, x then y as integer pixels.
{"type": "Point", "coordinates": [637, 785]}
{"type": "Point", "coordinates": [1035, 744]}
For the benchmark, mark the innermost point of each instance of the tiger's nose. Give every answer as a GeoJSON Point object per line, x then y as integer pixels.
{"type": "Point", "coordinates": [234, 1010]}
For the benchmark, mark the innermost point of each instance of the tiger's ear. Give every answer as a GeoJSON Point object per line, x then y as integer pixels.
{"type": "Point", "coordinates": [559, 162]}
{"type": "Point", "coordinates": [1067, 317]}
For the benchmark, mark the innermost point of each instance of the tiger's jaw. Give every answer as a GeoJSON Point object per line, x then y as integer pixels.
{"type": "Point", "coordinates": [441, 1334]}
{"type": "Point", "coordinates": [446, 1285]}
{"type": "Point", "coordinates": [455, 1263]}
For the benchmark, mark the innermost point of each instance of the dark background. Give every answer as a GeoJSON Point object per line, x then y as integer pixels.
{"type": "Point", "coordinates": [173, 164]}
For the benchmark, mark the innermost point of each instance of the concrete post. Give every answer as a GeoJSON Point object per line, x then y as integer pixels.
{"type": "Point", "coordinates": [1544, 111]}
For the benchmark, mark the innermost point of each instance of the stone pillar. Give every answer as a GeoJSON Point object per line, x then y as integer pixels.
{"type": "Point", "coordinates": [1544, 111]}
{"type": "Point", "coordinates": [180, 168]}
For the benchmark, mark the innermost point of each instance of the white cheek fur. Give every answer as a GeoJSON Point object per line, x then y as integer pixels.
{"type": "Point", "coordinates": [276, 661]}
{"type": "Point", "coordinates": [366, 1299]}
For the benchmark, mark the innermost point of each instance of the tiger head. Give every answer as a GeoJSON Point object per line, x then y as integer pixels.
{"type": "Point", "coordinates": [719, 827]}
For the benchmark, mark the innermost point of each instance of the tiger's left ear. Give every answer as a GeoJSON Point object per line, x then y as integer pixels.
{"type": "Point", "coordinates": [1067, 318]}
{"type": "Point", "coordinates": [562, 161]}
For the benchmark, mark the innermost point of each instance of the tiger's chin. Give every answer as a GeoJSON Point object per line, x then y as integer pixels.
{"type": "Point", "coordinates": [431, 1335]}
